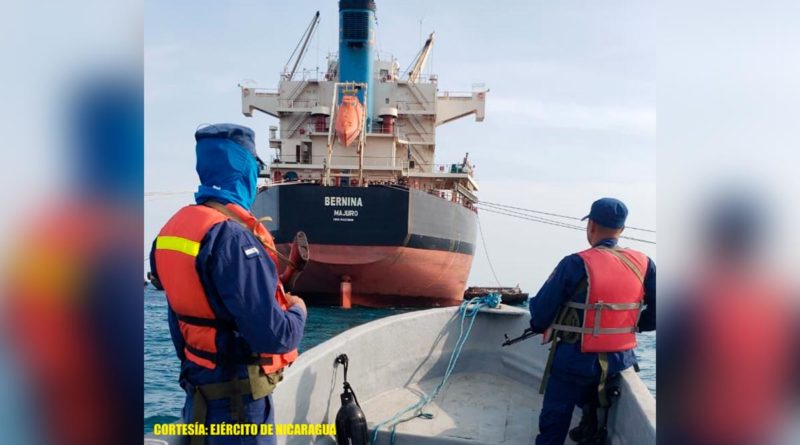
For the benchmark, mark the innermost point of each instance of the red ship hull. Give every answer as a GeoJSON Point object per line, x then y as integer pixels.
{"type": "Point", "coordinates": [384, 276]}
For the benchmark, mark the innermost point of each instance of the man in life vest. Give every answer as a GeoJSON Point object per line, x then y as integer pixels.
{"type": "Point", "coordinates": [72, 316]}
{"type": "Point", "coordinates": [591, 306]}
{"type": "Point", "coordinates": [233, 327]}
{"type": "Point", "coordinates": [728, 351]}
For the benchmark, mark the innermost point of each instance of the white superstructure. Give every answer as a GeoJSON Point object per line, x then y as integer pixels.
{"type": "Point", "coordinates": [399, 144]}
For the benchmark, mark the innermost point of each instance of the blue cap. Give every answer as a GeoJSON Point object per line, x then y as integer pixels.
{"type": "Point", "coordinates": [608, 212]}
{"type": "Point", "coordinates": [240, 134]}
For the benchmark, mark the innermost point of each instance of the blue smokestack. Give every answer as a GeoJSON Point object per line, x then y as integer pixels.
{"type": "Point", "coordinates": [357, 45]}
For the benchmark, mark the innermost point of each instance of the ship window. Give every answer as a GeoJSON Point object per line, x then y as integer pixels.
{"type": "Point", "coordinates": [305, 154]}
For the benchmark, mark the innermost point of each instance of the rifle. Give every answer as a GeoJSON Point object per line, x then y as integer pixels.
{"type": "Point", "coordinates": [526, 334]}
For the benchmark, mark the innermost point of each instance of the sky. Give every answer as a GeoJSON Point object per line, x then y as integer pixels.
{"type": "Point", "coordinates": [570, 113]}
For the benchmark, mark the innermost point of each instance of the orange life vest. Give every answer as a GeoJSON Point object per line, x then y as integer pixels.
{"type": "Point", "coordinates": [743, 336]}
{"type": "Point", "coordinates": [615, 290]}
{"type": "Point", "coordinates": [177, 247]}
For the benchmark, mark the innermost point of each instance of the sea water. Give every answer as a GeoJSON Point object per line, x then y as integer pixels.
{"type": "Point", "coordinates": [163, 398]}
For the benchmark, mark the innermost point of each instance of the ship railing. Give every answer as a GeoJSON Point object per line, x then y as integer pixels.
{"type": "Point", "coordinates": [303, 130]}
{"type": "Point", "coordinates": [306, 74]}
{"type": "Point", "coordinates": [258, 91]}
{"type": "Point", "coordinates": [387, 162]}
{"type": "Point", "coordinates": [415, 139]}
{"type": "Point", "coordinates": [380, 128]}
{"type": "Point", "coordinates": [410, 106]}
{"type": "Point", "coordinates": [455, 168]}
{"type": "Point", "coordinates": [310, 128]}
{"type": "Point", "coordinates": [457, 94]}
{"type": "Point", "coordinates": [295, 103]}
{"type": "Point", "coordinates": [449, 194]}
{"type": "Point", "coordinates": [390, 162]}
{"type": "Point", "coordinates": [422, 78]}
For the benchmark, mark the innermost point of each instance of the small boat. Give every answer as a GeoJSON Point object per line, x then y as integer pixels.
{"type": "Point", "coordinates": [349, 119]}
{"type": "Point", "coordinates": [491, 397]}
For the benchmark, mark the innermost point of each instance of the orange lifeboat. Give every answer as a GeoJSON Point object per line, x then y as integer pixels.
{"type": "Point", "coordinates": [349, 120]}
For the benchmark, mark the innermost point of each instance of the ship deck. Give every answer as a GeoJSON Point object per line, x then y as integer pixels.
{"type": "Point", "coordinates": [492, 398]}
{"type": "Point", "coordinates": [471, 408]}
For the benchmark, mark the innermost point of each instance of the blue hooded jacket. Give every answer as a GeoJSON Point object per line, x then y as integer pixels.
{"type": "Point", "coordinates": [239, 279]}
{"type": "Point", "coordinates": [227, 164]}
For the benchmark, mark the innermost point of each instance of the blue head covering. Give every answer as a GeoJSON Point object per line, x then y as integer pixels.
{"type": "Point", "coordinates": [106, 119]}
{"type": "Point", "coordinates": [227, 164]}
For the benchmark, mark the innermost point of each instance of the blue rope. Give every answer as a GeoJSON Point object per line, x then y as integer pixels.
{"type": "Point", "coordinates": [469, 309]}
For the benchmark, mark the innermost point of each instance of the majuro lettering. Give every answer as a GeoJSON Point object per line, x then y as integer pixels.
{"type": "Point", "coordinates": [345, 213]}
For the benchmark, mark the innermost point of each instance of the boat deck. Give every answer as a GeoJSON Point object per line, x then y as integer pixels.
{"type": "Point", "coordinates": [471, 408]}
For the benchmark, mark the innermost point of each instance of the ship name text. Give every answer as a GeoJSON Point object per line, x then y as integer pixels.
{"type": "Point", "coordinates": [344, 201]}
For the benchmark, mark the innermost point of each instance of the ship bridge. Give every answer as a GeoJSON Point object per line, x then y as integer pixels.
{"type": "Point", "coordinates": [397, 144]}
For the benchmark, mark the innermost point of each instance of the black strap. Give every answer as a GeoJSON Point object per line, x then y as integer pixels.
{"type": "Point", "coordinates": [583, 286]}
{"type": "Point", "coordinates": [210, 356]}
{"type": "Point", "coordinates": [230, 359]}
{"type": "Point", "coordinates": [207, 322]}
{"type": "Point", "coordinates": [259, 360]}
{"type": "Point", "coordinates": [199, 412]}
{"type": "Point", "coordinates": [564, 312]}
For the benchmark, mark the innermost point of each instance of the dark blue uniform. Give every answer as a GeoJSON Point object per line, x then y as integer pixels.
{"type": "Point", "coordinates": [240, 288]}
{"type": "Point", "coordinates": [240, 283]}
{"type": "Point", "coordinates": [575, 375]}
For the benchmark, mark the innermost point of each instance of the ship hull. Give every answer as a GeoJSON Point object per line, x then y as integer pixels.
{"type": "Point", "coordinates": [396, 247]}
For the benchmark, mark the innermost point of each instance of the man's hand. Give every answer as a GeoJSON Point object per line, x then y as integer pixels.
{"type": "Point", "coordinates": [292, 300]}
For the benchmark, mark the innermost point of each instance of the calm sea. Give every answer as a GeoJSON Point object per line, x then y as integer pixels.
{"type": "Point", "coordinates": [163, 398]}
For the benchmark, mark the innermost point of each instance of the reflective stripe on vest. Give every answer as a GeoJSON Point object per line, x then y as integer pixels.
{"type": "Point", "coordinates": [613, 299]}
{"type": "Point", "coordinates": [182, 245]}
{"type": "Point", "coordinates": [177, 247]}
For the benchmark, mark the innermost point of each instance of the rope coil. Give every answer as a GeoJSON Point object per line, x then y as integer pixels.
{"type": "Point", "coordinates": [468, 310]}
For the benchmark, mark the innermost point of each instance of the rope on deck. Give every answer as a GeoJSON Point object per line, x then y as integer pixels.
{"type": "Point", "coordinates": [468, 310]}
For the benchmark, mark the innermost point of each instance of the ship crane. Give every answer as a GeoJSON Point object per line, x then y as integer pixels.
{"type": "Point", "coordinates": [422, 57]}
{"type": "Point", "coordinates": [374, 220]}
{"type": "Point", "coordinates": [302, 45]}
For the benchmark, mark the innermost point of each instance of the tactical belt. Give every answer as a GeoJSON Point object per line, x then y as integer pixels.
{"type": "Point", "coordinates": [258, 385]}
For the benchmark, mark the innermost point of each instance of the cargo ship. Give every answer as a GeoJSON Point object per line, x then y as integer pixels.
{"type": "Point", "coordinates": [355, 170]}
